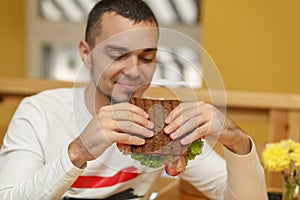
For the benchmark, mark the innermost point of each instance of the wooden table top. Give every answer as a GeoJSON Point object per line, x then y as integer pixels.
{"type": "Point", "coordinates": [172, 188]}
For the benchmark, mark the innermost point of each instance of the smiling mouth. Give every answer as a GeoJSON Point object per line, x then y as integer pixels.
{"type": "Point", "coordinates": [128, 86]}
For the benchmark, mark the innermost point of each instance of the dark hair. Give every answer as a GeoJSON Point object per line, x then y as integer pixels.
{"type": "Point", "coordinates": [136, 10]}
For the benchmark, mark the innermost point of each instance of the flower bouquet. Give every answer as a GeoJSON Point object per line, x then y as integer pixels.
{"type": "Point", "coordinates": [284, 157]}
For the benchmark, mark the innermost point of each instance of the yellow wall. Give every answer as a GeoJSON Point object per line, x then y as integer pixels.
{"type": "Point", "coordinates": [12, 38]}
{"type": "Point", "coordinates": [12, 52]}
{"type": "Point", "coordinates": [256, 44]}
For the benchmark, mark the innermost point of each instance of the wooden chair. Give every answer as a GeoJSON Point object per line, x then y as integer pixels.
{"type": "Point", "coordinates": [267, 117]}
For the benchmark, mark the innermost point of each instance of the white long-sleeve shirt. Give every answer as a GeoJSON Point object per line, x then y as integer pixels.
{"type": "Point", "coordinates": [34, 162]}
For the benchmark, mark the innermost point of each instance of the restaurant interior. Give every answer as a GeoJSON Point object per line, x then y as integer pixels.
{"type": "Point", "coordinates": [254, 45]}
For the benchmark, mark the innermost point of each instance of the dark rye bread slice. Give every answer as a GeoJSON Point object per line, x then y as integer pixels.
{"type": "Point", "coordinates": [160, 143]}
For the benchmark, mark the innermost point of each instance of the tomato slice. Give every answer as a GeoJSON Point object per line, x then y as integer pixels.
{"type": "Point", "coordinates": [176, 167]}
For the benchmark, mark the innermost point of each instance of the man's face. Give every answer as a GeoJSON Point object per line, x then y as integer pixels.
{"type": "Point", "coordinates": [123, 60]}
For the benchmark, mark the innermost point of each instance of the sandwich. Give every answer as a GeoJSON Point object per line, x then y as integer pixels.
{"type": "Point", "coordinates": [160, 150]}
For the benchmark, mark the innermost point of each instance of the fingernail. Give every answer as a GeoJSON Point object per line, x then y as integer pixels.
{"type": "Point", "coordinates": [151, 134]}
{"type": "Point", "coordinates": [167, 129]}
{"type": "Point", "coordinates": [146, 115]}
{"type": "Point", "coordinates": [168, 119]}
{"type": "Point", "coordinates": [184, 141]}
{"type": "Point", "coordinates": [142, 141]}
{"type": "Point", "coordinates": [150, 125]}
{"type": "Point", "coordinates": [173, 135]}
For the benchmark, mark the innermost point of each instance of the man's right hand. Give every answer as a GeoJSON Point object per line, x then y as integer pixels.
{"type": "Point", "coordinates": [120, 123]}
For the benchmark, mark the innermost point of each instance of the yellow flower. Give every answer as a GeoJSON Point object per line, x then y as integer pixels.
{"type": "Point", "coordinates": [295, 156]}
{"type": "Point", "coordinates": [284, 157]}
{"type": "Point", "coordinates": [290, 144]}
{"type": "Point", "coordinates": [276, 157]}
{"type": "Point", "coordinates": [294, 150]}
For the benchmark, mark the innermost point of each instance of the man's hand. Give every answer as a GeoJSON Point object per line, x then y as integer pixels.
{"type": "Point", "coordinates": [204, 120]}
{"type": "Point", "coordinates": [112, 124]}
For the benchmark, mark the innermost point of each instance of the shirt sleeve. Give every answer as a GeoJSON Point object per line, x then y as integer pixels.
{"type": "Point", "coordinates": [246, 178]}
{"type": "Point", "coordinates": [233, 177]}
{"type": "Point", "coordinates": [23, 172]}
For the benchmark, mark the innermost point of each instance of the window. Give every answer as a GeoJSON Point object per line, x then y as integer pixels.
{"type": "Point", "coordinates": [56, 26]}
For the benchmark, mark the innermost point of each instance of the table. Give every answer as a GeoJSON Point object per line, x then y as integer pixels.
{"type": "Point", "coordinates": [266, 116]}
{"type": "Point", "coordinates": [172, 188]}
{"type": "Point", "coordinates": [175, 189]}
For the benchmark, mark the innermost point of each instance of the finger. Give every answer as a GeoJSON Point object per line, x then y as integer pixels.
{"type": "Point", "coordinates": [130, 108]}
{"type": "Point", "coordinates": [183, 107]}
{"type": "Point", "coordinates": [123, 112]}
{"type": "Point", "coordinates": [124, 126]}
{"type": "Point", "coordinates": [207, 121]}
{"type": "Point", "coordinates": [181, 122]}
{"type": "Point", "coordinates": [133, 117]}
{"type": "Point", "coordinates": [133, 128]}
{"type": "Point", "coordinates": [198, 133]}
{"type": "Point", "coordinates": [109, 111]}
{"type": "Point", "coordinates": [182, 119]}
{"type": "Point", "coordinates": [124, 138]}
{"type": "Point", "coordinates": [186, 127]}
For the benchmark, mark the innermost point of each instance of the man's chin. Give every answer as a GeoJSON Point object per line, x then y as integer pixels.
{"type": "Point", "coordinates": [121, 97]}
{"type": "Point", "coordinates": [124, 96]}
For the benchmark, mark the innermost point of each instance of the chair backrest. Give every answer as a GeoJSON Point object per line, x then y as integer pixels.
{"type": "Point", "coordinates": [267, 117]}
{"type": "Point", "coordinates": [13, 90]}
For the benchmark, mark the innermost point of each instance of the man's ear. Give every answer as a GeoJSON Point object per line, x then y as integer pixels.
{"type": "Point", "coordinates": [84, 51]}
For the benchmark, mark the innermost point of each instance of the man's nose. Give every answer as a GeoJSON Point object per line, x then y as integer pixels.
{"type": "Point", "coordinates": [132, 61]}
{"type": "Point", "coordinates": [132, 66]}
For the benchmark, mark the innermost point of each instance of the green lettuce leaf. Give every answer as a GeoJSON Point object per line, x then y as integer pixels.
{"type": "Point", "coordinates": [195, 148]}
{"type": "Point", "coordinates": [153, 161]}
{"type": "Point", "coordinates": [149, 160]}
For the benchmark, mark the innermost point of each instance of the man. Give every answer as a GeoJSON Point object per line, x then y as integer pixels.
{"type": "Point", "coordinates": [62, 143]}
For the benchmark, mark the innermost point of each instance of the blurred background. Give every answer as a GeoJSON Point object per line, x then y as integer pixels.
{"type": "Point", "coordinates": [255, 44]}
{"type": "Point", "coordinates": [48, 33]}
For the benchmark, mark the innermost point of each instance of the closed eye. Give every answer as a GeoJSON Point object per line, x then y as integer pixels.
{"type": "Point", "coordinates": [118, 57]}
{"type": "Point", "coordinates": [147, 60]}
